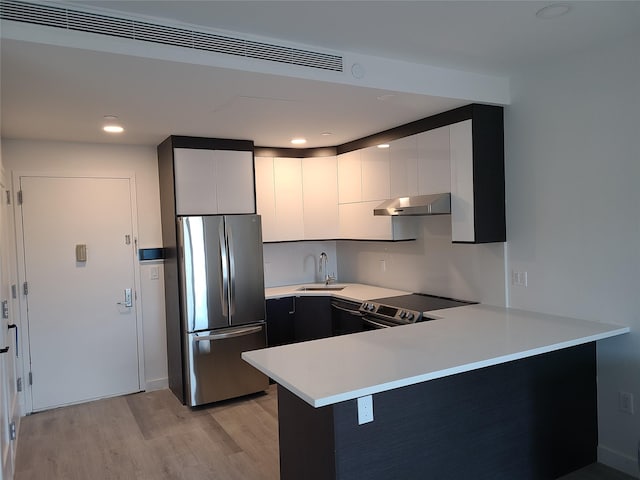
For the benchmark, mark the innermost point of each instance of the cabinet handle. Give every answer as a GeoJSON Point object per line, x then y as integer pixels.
{"type": "Point", "coordinates": [4, 350]}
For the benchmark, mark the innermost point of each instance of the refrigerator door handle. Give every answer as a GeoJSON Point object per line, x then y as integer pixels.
{"type": "Point", "coordinates": [224, 263]}
{"type": "Point", "coordinates": [236, 333]}
{"type": "Point", "coordinates": [232, 273]}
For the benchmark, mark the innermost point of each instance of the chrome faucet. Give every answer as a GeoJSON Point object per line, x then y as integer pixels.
{"type": "Point", "coordinates": [322, 268]}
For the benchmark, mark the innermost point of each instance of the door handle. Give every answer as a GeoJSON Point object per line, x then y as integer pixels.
{"type": "Point", "coordinates": [4, 350]}
{"type": "Point", "coordinates": [128, 299]}
{"type": "Point", "coordinates": [9, 327]}
{"type": "Point", "coordinates": [235, 333]}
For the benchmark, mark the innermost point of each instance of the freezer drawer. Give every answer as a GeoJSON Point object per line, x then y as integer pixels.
{"type": "Point", "coordinates": [215, 370]}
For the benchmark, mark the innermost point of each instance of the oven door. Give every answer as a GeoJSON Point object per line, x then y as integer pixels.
{"type": "Point", "coordinates": [370, 322]}
{"type": "Point", "coordinates": [345, 317]}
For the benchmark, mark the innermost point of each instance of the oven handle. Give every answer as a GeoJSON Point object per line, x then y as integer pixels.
{"type": "Point", "coordinates": [374, 323]}
{"type": "Point", "coordinates": [355, 313]}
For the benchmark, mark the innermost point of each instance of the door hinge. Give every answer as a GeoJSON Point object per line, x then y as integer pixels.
{"type": "Point", "coordinates": [30, 378]}
{"type": "Point", "coordinates": [14, 291]}
{"type": "Point", "coordinates": [19, 384]}
{"type": "Point", "coordinates": [5, 309]}
{"type": "Point", "coordinates": [12, 430]}
{"type": "Point", "coordinates": [8, 192]}
{"type": "Point", "coordinates": [19, 194]}
{"type": "Point", "coordinates": [25, 288]}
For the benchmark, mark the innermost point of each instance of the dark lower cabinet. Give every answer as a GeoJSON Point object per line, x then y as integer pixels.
{"type": "Point", "coordinates": [280, 321]}
{"type": "Point", "coordinates": [529, 419]}
{"type": "Point", "coordinates": [298, 319]}
{"type": "Point", "coordinates": [313, 318]}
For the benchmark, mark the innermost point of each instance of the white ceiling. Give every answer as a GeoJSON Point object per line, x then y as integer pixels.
{"type": "Point", "coordinates": [59, 93]}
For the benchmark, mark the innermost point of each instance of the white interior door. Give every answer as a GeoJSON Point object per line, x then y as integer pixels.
{"type": "Point", "coordinates": [82, 339]}
{"type": "Point", "coordinates": [8, 387]}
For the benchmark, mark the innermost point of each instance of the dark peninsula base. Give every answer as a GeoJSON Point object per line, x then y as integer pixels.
{"type": "Point", "coordinates": [534, 418]}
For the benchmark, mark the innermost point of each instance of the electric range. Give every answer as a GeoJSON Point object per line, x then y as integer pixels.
{"type": "Point", "coordinates": [404, 309]}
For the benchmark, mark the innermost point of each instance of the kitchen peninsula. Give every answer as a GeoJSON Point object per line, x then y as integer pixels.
{"type": "Point", "coordinates": [480, 392]}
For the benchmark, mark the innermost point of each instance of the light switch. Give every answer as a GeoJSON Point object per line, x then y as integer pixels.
{"type": "Point", "coordinates": [154, 273]}
{"type": "Point", "coordinates": [365, 409]}
{"type": "Point", "coordinates": [81, 252]}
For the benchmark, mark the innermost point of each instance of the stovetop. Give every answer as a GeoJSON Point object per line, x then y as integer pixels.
{"type": "Point", "coordinates": [421, 302]}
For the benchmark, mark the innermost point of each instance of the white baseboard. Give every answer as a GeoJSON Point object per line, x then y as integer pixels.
{"type": "Point", "coordinates": [157, 384]}
{"type": "Point", "coordinates": [619, 461]}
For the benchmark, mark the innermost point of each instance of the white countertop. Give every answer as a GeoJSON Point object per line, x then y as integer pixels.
{"type": "Point", "coordinates": [331, 370]}
{"type": "Point", "coordinates": [351, 291]}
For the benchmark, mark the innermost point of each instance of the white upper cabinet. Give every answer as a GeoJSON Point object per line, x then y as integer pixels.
{"type": "Point", "coordinates": [320, 197]}
{"type": "Point", "coordinates": [279, 198]}
{"type": "Point", "coordinates": [375, 174]}
{"type": "Point", "coordinates": [236, 182]}
{"type": "Point", "coordinates": [403, 167]}
{"type": "Point", "coordinates": [433, 161]}
{"type": "Point", "coordinates": [462, 198]}
{"type": "Point", "coordinates": [350, 177]}
{"type": "Point", "coordinates": [287, 174]}
{"type": "Point", "coordinates": [213, 181]}
{"type": "Point", "coordinates": [357, 222]}
{"type": "Point", "coordinates": [266, 197]}
{"type": "Point", "coordinates": [419, 164]}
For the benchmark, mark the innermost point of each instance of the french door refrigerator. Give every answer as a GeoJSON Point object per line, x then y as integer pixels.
{"type": "Point", "coordinates": [222, 305]}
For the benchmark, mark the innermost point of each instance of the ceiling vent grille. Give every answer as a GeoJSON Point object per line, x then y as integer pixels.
{"type": "Point", "coordinates": [58, 17]}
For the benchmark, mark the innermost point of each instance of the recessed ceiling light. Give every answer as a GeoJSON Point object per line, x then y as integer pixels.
{"type": "Point", "coordinates": [383, 145]}
{"type": "Point", "coordinates": [385, 97]}
{"type": "Point", "coordinates": [299, 141]}
{"type": "Point", "coordinates": [554, 10]}
{"type": "Point", "coordinates": [111, 124]}
{"type": "Point", "coordinates": [326, 134]}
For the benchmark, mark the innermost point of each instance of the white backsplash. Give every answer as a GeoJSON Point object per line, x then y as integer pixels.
{"type": "Point", "coordinates": [291, 263]}
{"type": "Point", "coordinates": [430, 264]}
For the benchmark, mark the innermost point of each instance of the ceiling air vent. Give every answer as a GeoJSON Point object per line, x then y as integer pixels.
{"type": "Point", "coordinates": [81, 21]}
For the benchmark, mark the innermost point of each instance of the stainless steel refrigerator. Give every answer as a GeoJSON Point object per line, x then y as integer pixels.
{"type": "Point", "coordinates": [222, 305]}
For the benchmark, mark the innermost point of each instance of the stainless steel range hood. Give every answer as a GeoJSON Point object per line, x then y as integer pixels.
{"type": "Point", "coordinates": [437, 204]}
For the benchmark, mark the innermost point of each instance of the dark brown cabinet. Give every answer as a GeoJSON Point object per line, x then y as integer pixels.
{"type": "Point", "coordinates": [298, 319]}
{"type": "Point", "coordinates": [280, 321]}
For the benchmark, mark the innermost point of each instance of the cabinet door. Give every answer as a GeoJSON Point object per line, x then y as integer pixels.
{"type": "Point", "coordinates": [434, 174]}
{"type": "Point", "coordinates": [375, 174]}
{"type": "Point", "coordinates": [349, 177]}
{"type": "Point", "coordinates": [235, 182]}
{"type": "Point", "coordinates": [195, 174]}
{"type": "Point", "coordinates": [266, 197]}
{"type": "Point", "coordinates": [288, 194]}
{"type": "Point", "coordinates": [403, 167]}
{"type": "Point", "coordinates": [320, 197]}
{"type": "Point", "coordinates": [462, 200]}
{"type": "Point", "coordinates": [358, 222]}
{"type": "Point", "coordinates": [280, 321]}
{"type": "Point", "coordinates": [313, 318]}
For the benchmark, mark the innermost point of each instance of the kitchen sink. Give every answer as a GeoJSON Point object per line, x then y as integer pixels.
{"type": "Point", "coordinates": [319, 289]}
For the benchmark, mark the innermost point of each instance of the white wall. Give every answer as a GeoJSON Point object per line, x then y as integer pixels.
{"type": "Point", "coordinates": [573, 210]}
{"type": "Point", "coordinates": [291, 263]}
{"type": "Point", "coordinates": [100, 159]}
{"type": "Point", "coordinates": [430, 264]}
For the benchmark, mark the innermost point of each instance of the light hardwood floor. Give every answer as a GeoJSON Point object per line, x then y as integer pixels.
{"type": "Point", "coordinates": [152, 436]}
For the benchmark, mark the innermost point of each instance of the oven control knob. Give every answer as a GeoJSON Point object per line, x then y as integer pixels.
{"type": "Point", "coordinates": [402, 313]}
{"type": "Point", "coordinates": [372, 307]}
{"type": "Point", "coordinates": [409, 316]}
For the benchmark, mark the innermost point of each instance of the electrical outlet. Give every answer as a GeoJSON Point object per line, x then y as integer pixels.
{"type": "Point", "coordinates": [625, 402]}
{"type": "Point", "coordinates": [365, 409]}
{"type": "Point", "coordinates": [519, 279]}
{"type": "Point", "coordinates": [383, 265]}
